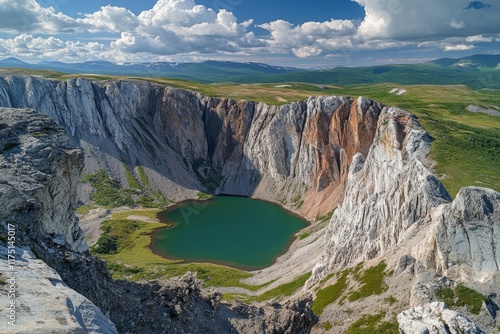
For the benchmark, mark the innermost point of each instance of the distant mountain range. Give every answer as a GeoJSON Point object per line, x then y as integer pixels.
{"type": "Point", "coordinates": [478, 71]}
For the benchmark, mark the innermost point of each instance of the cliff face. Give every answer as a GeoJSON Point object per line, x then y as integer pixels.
{"type": "Point", "coordinates": [40, 167]}
{"type": "Point", "coordinates": [394, 205]}
{"type": "Point", "coordinates": [280, 153]}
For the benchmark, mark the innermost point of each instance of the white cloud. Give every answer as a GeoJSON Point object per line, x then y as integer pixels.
{"type": "Point", "coordinates": [457, 24]}
{"type": "Point", "coordinates": [111, 19]}
{"type": "Point", "coordinates": [38, 48]}
{"type": "Point", "coordinates": [408, 19]}
{"type": "Point", "coordinates": [307, 51]}
{"type": "Point", "coordinates": [458, 47]}
{"type": "Point", "coordinates": [25, 16]}
{"type": "Point", "coordinates": [479, 39]}
{"type": "Point", "coordinates": [181, 26]}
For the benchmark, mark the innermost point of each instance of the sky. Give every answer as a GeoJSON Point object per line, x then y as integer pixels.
{"type": "Point", "coordinates": [308, 34]}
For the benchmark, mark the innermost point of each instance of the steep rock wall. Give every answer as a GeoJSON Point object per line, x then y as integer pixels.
{"type": "Point", "coordinates": [188, 142]}
{"type": "Point", "coordinates": [67, 290]}
{"type": "Point", "coordinates": [394, 205]}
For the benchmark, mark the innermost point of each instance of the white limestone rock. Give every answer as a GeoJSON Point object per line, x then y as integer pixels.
{"type": "Point", "coordinates": [44, 304]}
{"type": "Point", "coordinates": [435, 318]}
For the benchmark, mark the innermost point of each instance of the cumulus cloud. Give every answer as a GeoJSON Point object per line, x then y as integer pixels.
{"type": "Point", "coordinates": [310, 38]}
{"type": "Point", "coordinates": [24, 16]}
{"type": "Point", "coordinates": [111, 19]}
{"type": "Point", "coordinates": [407, 19]}
{"type": "Point", "coordinates": [479, 39]}
{"type": "Point", "coordinates": [181, 26]}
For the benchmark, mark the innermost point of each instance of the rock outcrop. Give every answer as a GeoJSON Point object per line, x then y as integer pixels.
{"type": "Point", "coordinates": [44, 303]}
{"type": "Point", "coordinates": [279, 153]}
{"type": "Point", "coordinates": [395, 206]}
{"type": "Point", "coordinates": [435, 318]}
{"type": "Point", "coordinates": [40, 167]}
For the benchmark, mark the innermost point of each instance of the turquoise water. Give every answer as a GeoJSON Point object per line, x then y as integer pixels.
{"type": "Point", "coordinates": [236, 231]}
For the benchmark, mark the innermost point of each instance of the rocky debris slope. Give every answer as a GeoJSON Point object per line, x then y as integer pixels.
{"type": "Point", "coordinates": [435, 318]}
{"type": "Point", "coordinates": [295, 154]}
{"type": "Point", "coordinates": [40, 167]}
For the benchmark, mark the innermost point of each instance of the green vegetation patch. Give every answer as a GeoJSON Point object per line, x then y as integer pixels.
{"type": "Point", "coordinates": [330, 294]}
{"type": "Point", "coordinates": [372, 282]}
{"type": "Point", "coordinates": [283, 290]}
{"type": "Point", "coordinates": [462, 296]}
{"type": "Point", "coordinates": [326, 325]}
{"type": "Point", "coordinates": [131, 181]}
{"type": "Point", "coordinates": [107, 191]}
{"type": "Point", "coordinates": [203, 196]}
{"type": "Point", "coordinates": [143, 177]}
{"type": "Point", "coordinates": [372, 323]}
{"type": "Point", "coordinates": [325, 217]}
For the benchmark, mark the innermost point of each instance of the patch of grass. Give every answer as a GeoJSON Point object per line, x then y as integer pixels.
{"type": "Point", "coordinates": [462, 296]}
{"type": "Point", "coordinates": [372, 282]}
{"type": "Point", "coordinates": [330, 294]}
{"type": "Point", "coordinates": [283, 290]}
{"type": "Point", "coordinates": [326, 325]}
{"type": "Point", "coordinates": [2, 280]}
{"type": "Point", "coordinates": [203, 196]}
{"type": "Point", "coordinates": [390, 300]}
{"type": "Point", "coordinates": [149, 213]}
{"type": "Point", "coordinates": [85, 209]}
{"type": "Point", "coordinates": [143, 177]}
{"type": "Point", "coordinates": [371, 323]}
{"type": "Point", "coordinates": [131, 181]}
{"type": "Point", "coordinates": [326, 217]}
{"type": "Point", "coordinates": [119, 269]}
{"type": "Point", "coordinates": [107, 191]}
{"type": "Point", "coordinates": [304, 235]}
{"type": "Point", "coordinates": [447, 295]}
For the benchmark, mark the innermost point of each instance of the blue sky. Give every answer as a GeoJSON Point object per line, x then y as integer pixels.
{"type": "Point", "coordinates": [312, 34]}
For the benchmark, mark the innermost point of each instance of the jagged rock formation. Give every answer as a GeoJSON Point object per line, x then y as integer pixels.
{"type": "Point", "coordinates": [243, 148]}
{"type": "Point", "coordinates": [392, 199]}
{"type": "Point", "coordinates": [40, 167]}
{"type": "Point", "coordinates": [395, 209]}
{"type": "Point", "coordinates": [435, 318]}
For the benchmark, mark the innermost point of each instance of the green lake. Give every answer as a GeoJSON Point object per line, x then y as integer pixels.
{"type": "Point", "coordinates": [235, 231]}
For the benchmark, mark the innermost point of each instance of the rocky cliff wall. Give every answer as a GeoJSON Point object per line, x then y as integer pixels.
{"type": "Point", "coordinates": [65, 289]}
{"type": "Point", "coordinates": [394, 206]}
{"type": "Point", "coordinates": [188, 142]}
